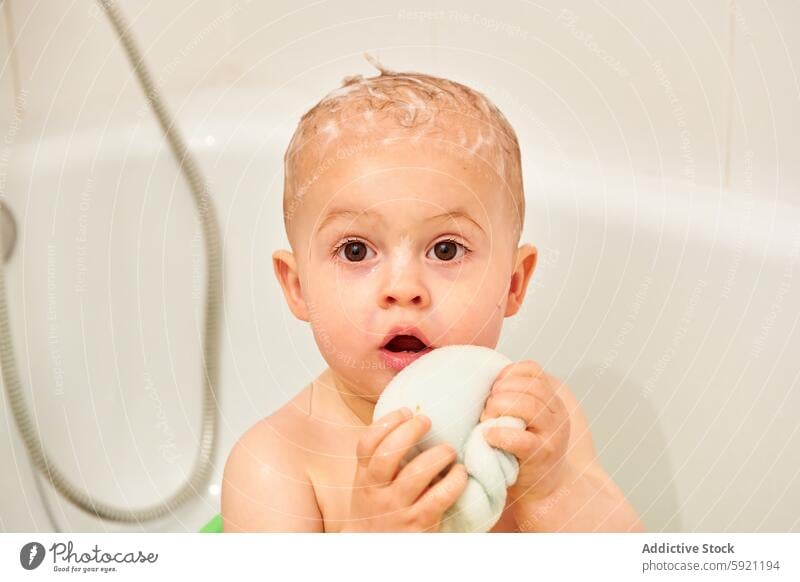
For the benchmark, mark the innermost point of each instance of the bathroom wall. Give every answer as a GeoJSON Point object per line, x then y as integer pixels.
{"type": "Point", "coordinates": [661, 145]}
{"type": "Point", "coordinates": [705, 92]}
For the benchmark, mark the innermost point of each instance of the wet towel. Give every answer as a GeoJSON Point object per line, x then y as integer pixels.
{"type": "Point", "coordinates": [450, 385]}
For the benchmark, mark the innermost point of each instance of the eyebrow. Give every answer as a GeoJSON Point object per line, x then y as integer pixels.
{"type": "Point", "coordinates": [341, 213]}
{"type": "Point", "coordinates": [456, 213]}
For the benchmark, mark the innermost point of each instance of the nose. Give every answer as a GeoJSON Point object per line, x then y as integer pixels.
{"type": "Point", "coordinates": [405, 288]}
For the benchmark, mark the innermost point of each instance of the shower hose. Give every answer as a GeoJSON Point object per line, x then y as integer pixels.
{"type": "Point", "coordinates": [202, 464]}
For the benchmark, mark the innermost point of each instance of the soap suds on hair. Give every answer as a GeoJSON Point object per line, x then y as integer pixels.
{"type": "Point", "coordinates": [417, 106]}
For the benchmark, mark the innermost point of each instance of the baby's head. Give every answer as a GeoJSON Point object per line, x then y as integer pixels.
{"type": "Point", "coordinates": [403, 205]}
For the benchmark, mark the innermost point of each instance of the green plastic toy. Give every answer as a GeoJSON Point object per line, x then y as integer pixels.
{"type": "Point", "coordinates": [214, 525]}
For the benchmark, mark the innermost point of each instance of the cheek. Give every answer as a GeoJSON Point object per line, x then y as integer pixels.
{"type": "Point", "coordinates": [475, 285]}
{"type": "Point", "coordinates": [479, 324]}
{"type": "Point", "coordinates": [342, 299]}
{"type": "Point", "coordinates": [472, 307]}
{"type": "Point", "coordinates": [343, 318]}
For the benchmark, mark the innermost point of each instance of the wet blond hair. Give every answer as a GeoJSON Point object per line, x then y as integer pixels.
{"type": "Point", "coordinates": [414, 104]}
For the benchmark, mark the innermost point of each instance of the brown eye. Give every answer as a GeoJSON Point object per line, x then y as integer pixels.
{"type": "Point", "coordinates": [354, 251]}
{"type": "Point", "coordinates": [447, 250]}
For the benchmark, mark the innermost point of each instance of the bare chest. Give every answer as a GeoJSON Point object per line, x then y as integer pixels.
{"type": "Point", "coordinates": [333, 476]}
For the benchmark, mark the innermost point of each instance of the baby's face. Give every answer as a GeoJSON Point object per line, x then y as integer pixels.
{"type": "Point", "coordinates": [412, 236]}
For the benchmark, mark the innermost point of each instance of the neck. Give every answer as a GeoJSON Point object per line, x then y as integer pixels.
{"type": "Point", "coordinates": [354, 405]}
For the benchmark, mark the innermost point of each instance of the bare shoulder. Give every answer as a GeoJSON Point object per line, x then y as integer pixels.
{"type": "Point", "coordinates": [265, 486]}
{"type": "Point", "coordinates": [581, 448]}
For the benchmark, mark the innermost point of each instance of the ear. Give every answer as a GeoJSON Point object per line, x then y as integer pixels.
{"type": "Point", "coordinates": [288, 276]}
{"type": "Point", "coordinates": [523, 269]}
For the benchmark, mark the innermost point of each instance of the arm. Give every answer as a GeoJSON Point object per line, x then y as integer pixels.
{"type": "Point", "coordinates": [265, 487]}
{"type": "Point", "coordinates": [587, 501]}
{"type": "Point", "coordinates": [587, 498]}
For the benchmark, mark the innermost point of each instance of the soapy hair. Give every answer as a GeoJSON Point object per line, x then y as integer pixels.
{"type": "Point", "coordinates": [416, 104]}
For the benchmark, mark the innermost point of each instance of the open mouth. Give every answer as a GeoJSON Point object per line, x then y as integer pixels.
{"type": "Point", "coordinates": [405, 343]}
{"type": "Point", "coordinates": [406, 346]}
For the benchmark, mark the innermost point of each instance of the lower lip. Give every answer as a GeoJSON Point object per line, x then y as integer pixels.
{"type": "Point", "coordinates": [399, 360]}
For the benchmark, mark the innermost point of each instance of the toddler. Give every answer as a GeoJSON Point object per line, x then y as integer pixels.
{"type": "Point", "coordinates": [403, 206]}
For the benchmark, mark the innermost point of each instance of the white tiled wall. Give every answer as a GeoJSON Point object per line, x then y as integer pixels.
{"type": "Point", "coordinates": [765, 144]}
{"type": "Point", "coordinates": [704, 92]}
{"type": "Point", "coordinates": [590, 75]}
{"type": "Point", "coordinates": [686, 91]}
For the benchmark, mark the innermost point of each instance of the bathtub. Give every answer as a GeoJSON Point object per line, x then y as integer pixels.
{"type": "Point", "coordinates": [669, 309]}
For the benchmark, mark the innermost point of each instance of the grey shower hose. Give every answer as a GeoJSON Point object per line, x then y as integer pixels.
{"type": "Point", "coordinates": [202, 465]}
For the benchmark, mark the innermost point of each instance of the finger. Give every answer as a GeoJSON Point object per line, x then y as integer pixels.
{"type": "Point", "coordinates": [404, 412]}
{"type": "Point", "coordinates": [439, 497]}
{"type": "Point", "coordinates": [530, 408]}
{"type": "Point", "coordinates": [417, 475]}
{"type": "Point", "coordinates": [523, 368]}
{"type": "Point", "coordinates": [539, 385]}
{"type": "Point", "coordinates": [540, 388]}
{"type": "Point", "coordinates": [385, 461]}
{"type": "Point", "coordinates": [522, 444]}
{"type": "Point", "coordinates": [519, 404]}
{"type": "Point", "coordinates": [377, 431]}
{"type": "Point", "coordinates": [519, 384]}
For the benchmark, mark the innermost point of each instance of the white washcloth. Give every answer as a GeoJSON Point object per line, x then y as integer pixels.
{"type": "Point", "coordinates": [450, 385]}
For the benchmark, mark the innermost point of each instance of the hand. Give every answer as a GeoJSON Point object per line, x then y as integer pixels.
{"type": "Point", "coordinates": [388, 498]}
{"type": "Point", "coordinates": [522, 390]}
